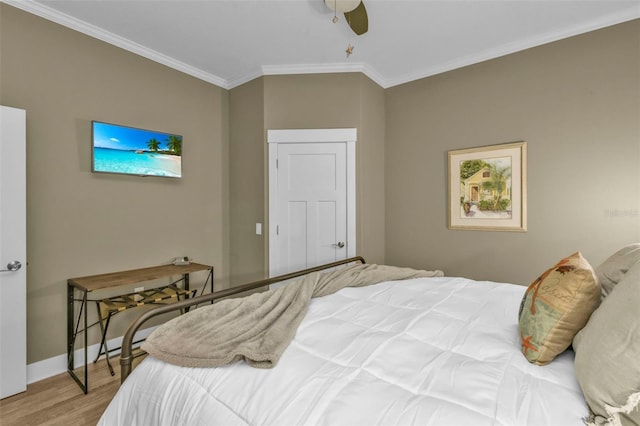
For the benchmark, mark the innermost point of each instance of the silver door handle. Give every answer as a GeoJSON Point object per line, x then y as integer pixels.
{"type": "Point", "coordinates": [12, 266]}
{"type": "Point", "coordinates": [339, 245]}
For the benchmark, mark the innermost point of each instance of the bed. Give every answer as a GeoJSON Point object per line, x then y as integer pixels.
{"type": "Point", "coordinates": [430, 350]}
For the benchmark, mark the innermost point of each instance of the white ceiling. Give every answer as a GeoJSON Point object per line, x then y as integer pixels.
{"type": "Point", "coordinates": [229, 42]}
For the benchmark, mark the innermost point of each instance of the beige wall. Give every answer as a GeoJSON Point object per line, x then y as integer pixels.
{"type": "Point", "coordinates": [294, 102]}
{"type": "Point", "coordinates": [577, 104]}
{"type": "Point", "coordinates": [80, 223]}
{"type": "Point", "coordinates": [370, 168]}
{"type": "Point", "coordinates": [247, 182]}
{"type": "Point", "coordinates": [340, 101]}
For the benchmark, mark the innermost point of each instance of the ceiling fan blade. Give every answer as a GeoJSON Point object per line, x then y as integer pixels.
{"type": "Point", "coordinates": [358, 19]}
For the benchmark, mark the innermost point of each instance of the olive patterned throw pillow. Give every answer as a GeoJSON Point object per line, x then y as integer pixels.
{"type": "Point", "coordinates": [555, 307]}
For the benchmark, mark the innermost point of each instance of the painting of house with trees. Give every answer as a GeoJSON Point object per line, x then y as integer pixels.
{"type": "Point", "coordinates": [485, 188]}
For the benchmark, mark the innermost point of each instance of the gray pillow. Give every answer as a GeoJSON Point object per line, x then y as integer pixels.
{"type": "Point", "coordinates": [611, 271]}
{"type": "Point", "coordinates": [608, 355]}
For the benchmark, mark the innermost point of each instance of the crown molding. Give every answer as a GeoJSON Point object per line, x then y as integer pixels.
{"type": "Point", "coordinates": [58, 17]}
{"type": "Point", "coordinates": [83, 27]}
{"type": "Point", "coordinates": [53, 15]}
{"type": "Point", "coordinates": [326, 68]}
{"type": "Point", "coordinates": [509, 48]}
{"type": "Point", "coordinates": [256, 73]}
{"type": "Point", "coordinates": [310, 69]}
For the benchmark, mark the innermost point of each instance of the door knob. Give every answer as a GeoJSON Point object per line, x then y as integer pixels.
{"type": "Point", "coordinates": [339, 245]}
{"type": "Point", "coordinates": [12, 266]}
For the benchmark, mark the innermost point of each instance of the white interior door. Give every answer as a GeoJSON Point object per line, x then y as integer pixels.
{"type": "Point", "coordinates": [312, 204]}
{"type": "Point", "coordinates": [312, 211]}
{"type": "Point", "coordinates": [13, 252]}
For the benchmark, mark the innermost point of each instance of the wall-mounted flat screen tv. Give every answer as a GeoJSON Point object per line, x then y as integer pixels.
{"type": "Point", "coordinates": [131, 151]}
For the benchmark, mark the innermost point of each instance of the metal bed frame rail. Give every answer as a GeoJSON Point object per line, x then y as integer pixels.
{"type": "Point", "coordinates": [126, 355]}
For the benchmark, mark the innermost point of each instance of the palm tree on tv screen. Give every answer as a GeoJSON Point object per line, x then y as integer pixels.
{"type": "Point", "coordinates": [175, 144]}
{"type": "Point", "coordinates": [153, 144]}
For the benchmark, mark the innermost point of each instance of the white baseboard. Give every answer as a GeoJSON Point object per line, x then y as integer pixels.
{"type": "Point", "coordinates": [58, 364]}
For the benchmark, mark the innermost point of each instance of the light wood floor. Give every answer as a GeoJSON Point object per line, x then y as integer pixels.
{"type": "Point", "coordinates": [58, 400]}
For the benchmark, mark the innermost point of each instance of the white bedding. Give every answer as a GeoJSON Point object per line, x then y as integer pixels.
{"type": "Point", "coordinates": [426, 351]}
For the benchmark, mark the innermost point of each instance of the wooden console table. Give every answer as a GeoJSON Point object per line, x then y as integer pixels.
{"type": "Point", "coordinates": [88, 284]}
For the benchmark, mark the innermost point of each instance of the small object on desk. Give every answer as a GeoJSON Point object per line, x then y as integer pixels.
{"type": "Point", "coordinates": [181, 261]}
{"type": "Point", "coordinates": [138, 297]}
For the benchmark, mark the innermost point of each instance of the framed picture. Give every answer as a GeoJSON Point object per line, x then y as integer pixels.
{"type": "Point", "coordinates": [488, 188]}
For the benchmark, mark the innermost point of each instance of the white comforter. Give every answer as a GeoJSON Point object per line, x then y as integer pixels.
{"type": "Point", "coordinates": [426, 351]}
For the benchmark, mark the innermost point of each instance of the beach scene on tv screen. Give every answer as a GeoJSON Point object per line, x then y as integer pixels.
{"type": "Point", "coordinates": [127, 150]}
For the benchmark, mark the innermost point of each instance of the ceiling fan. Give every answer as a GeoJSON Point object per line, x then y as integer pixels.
{"type": "Point", "coordinates": [354, 12]}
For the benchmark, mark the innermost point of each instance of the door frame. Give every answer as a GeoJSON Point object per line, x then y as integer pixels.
{"type": "Point", "coordinates": [348, 136]}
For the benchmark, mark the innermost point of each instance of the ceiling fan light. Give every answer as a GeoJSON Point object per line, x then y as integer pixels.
{"type": "Point", "coordinates": [342, 6]}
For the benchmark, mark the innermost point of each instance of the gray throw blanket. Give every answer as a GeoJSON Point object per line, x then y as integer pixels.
{"type": "Point", "coordinates": [258, 328]}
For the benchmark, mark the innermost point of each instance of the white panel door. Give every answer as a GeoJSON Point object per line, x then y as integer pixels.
{"type": "Point", "coordinates": [13, 253]}
{"type": "Point", "coordinates": [312, 204]}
